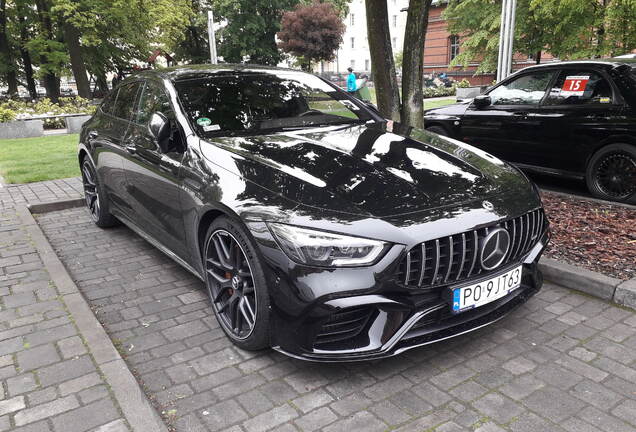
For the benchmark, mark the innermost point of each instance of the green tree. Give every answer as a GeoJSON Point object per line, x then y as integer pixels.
{"type": "Point", "coordinates": [250, 33]}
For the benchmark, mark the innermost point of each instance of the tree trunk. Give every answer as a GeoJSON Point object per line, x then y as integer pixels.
{"type": "Point", "coordinates": [413, 63]}
{"type": "Point", "coordinates": [382, 63]}
{"type": "Point", "coordinates": [6, 56]}
{"type": "Point", "coordinates": [24, 53]}
{"type": "Point", "coordinates": [71, 37]}
{"type": "Point", "coordinates": [538, 57]}
{"type": "Point", "coordinates": [51, 82]}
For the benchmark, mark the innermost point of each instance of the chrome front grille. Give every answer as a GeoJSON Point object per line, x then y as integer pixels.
{"type": "Point", "coordinates": [456, 258]}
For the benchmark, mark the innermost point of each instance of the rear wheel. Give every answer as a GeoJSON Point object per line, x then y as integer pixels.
{"type": "Point", "coordinates": [96, 200]}
{"type": "Point", "coordinates": [236, 284]}
{"type": "Point", "coordinates": [438, 130]}
{"type": "Point", "coordinates": [611, 173]}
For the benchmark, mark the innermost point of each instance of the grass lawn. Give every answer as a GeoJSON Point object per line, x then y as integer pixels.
{"type": "Point", "coordinates": [27, 160]}
{"type": "Point", "coordinates": [428, 104]}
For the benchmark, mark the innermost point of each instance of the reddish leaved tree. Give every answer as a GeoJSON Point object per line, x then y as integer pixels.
{"type": "Point", "coordinates": [311, 32]}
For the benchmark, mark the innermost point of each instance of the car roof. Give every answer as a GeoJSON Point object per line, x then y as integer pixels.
{"type": "Point", "coordinates": [188, 71]}
{"type": "Point", "coordinates": [609, 63]}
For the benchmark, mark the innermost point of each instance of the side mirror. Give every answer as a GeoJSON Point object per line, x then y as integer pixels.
{"type": "Point", "coordinates": [482, 101]}
{"type": "Point", "coordinates": [160, 129]}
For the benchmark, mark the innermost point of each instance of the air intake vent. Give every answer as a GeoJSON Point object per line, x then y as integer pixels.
{"type": "Point", "coordinates": [343, 325]}
{"type": "Point", "coordinates": [456, 258]}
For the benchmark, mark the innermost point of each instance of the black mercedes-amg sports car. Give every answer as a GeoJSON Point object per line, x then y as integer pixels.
{"type": "Point", "coordinates": [320, 229]}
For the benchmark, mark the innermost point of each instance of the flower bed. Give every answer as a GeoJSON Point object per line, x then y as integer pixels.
{"type": "Point", "coordinates": [24, 110]}
{"type": "Point", "coordinates": [599, 237]}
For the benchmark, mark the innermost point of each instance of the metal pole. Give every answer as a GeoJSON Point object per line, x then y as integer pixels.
{"type": "Point", "coordinates": [212, 38]}
{"type": "Point", "coordinates": [502, 30]}
{"type": "Point", "coordinates": [513, 13]}
{"type": "Point", "coordinates": [506, 42]}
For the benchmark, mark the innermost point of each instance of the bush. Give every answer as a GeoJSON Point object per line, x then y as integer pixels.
{"type": "Point", "coordinates": [431, 92]}
{"type": "Point", "coordinates": [67, 105]}
{"type": "Point", "coordinates": [6, 115]}
{"type": "Point", "coordinates": [464, 83]}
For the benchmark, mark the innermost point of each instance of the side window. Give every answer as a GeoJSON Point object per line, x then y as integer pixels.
{"type": "Point", "coordinates": [109, 102]}
{"type": "Point", "coordinates": [125, 104]}
{"type": "Point", "coordinates": [528, 89]}
{"type": "Point", "coordinates": [580, 87]}
{"type": "Point", "coordinates": [153, 98]}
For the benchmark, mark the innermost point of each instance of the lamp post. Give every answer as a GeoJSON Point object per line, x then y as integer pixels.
{"type": "Point", "coordinates": [212, 38]}
{"type": "Point", "coordinates": [506, 38]}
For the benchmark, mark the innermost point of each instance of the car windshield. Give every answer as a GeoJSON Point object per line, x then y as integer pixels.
{"type": "Point", "coordinates": [258, 102]}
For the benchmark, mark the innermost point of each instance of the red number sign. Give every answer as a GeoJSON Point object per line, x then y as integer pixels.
{"type": "Point", "coordinates": [575, 84]}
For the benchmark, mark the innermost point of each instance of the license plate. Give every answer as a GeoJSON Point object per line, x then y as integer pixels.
{"type": "Point", "coordinates": [468, 297]}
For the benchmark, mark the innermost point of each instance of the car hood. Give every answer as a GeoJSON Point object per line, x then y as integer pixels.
{"type": "Point", "coordinates": [453, 110]}
{"type": "Point", "coordinates": [365, 169]}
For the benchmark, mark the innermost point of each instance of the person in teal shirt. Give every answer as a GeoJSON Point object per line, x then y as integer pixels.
{"type": "Point", "coordinates": [351, 81]}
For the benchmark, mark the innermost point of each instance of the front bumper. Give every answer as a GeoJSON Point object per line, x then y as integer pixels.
{"type": "Point", "coordinates": [381, 320]}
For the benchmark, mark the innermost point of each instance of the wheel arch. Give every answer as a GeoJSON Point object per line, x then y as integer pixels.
{"type": "Point", "coordinates": [205, 220]}
{"type": "Point", "coordinates": [615, 139]}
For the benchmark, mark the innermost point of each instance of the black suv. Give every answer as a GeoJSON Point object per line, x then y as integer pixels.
{"type": "Point", "coordinates": [576, 119]}
{"type": "Point", "coordinates": [319, 228]}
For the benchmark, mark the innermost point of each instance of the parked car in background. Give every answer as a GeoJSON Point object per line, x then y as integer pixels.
{"type": "Point", "coordinates": [320, 228]}
{"type": "Point", "coordinates": [575, 119]}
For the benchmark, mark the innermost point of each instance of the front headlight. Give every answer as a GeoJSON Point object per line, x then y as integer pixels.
{"type": "Point", "coordinates": [319, 248]}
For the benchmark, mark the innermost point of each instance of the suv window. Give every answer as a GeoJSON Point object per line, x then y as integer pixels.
{"type": "Point", "coordinates": [153, 98]}
{"type": "Point", "coordinates": [580, 87]}
{"type": "Point", "coordinates": [109, 102]}
{"type": "Point", "coordinates": [528, 89]}
{"type": "Point", "coordinates": [124, 106]}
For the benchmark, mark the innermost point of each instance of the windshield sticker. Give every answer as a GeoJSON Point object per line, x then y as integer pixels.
{"type": "Point", "coordinates": [210, 128]}
{"type": "Point", "coordinates": [204, 121]}
{"type": "Point", "coordinates": [575, 85]}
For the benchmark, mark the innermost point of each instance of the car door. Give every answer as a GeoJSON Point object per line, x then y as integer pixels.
{"type": "Point", "coordinates": [581, 111]}
{"type": "Point", "coordinates": [153, 177]}
{"type": "Point", "coordinates": [106, 138]}
{"type": "Point", "coordinates": [501, 127]}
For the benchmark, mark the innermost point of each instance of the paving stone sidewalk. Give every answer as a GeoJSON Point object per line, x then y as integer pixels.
{"type": "Point", "coordinates": [49, 380]}
{"type": "Point", "coordinates": [51, 190]}
{"type": "Point", "coordinates": [562, 362]}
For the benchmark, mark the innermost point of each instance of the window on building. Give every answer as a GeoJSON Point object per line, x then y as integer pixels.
{"type": "Point", "coordinates": [367, 65]}
{"type": "Point", "coordinates": [353, 42]}
{"type": "Point", "coordinates": [393, 42]}
{"type": "Point", "coordinates": [353, 64]}
{"type": "Point", "coordinates": [352, 19]}
{"type": "Point", "coordinates": [454, 46]}
{"type": "Point", "coordinates": [394, 19]}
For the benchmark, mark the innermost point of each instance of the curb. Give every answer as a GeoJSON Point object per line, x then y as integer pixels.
{"type": "Point", "coordinates": [589, 282]}
{"type": "Point", "coordinates": [49, 206]}
{"type": "Point", "coordinates": [136, 407]}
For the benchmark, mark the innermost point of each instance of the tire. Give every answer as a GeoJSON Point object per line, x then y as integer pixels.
{"type": "Point", "coordinates": [225, 284]}
{"type": "Point", "coordinates": [96, 199]}
{"type": "Point", "coordinates": [611, 173]}
{"type": "Point", "coordinates": [439, 130]}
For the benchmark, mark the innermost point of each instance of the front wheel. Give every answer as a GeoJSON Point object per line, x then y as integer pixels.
{"type": "Point", "coordinates": [236, 284]}
{"type": "Point", "coordinates": [611, 173]}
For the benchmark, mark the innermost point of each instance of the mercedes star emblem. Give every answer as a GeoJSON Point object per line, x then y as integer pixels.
{"type": "Point", "coordinates": [494, 248]}
{"type": "Point", "coordinates": [487, 205]}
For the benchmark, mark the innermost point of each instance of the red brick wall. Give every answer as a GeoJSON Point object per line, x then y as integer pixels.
{"type": "Point", "coordinates": [437, 52]}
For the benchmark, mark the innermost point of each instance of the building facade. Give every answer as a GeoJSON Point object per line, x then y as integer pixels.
{"type": "Point", "coordinates": [439, 49]}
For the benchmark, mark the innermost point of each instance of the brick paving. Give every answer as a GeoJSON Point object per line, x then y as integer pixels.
{"type": "Point", "coordinates": [50, 190]}
{"type": "Point", "coordinates": [49, 380]}
{"type": "Point", "coordinates": [562, 362]}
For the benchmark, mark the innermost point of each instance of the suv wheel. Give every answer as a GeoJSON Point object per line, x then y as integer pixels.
{"type": "Point", "coordinates": [611, 173]}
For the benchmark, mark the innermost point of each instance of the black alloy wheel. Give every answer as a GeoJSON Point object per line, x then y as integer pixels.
{"type": "Point", "coordinates": [91, 194]}
{"type": "Point", "coordinates": [96, 202]}
{"type": "Point", "coordinates": [232, 286]}
{"type": "Point", "coordinates": [613, 173]}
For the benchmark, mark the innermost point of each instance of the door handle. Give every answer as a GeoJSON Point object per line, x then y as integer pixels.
{"type": "Point", "coordinates": [130, 148]}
